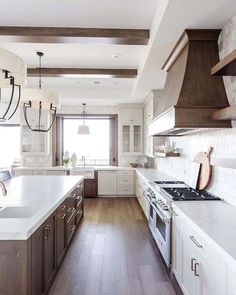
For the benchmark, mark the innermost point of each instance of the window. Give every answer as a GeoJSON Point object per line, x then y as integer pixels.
{"type": "Point", "coordinates": [10, 144]}
{"type": "Point", "coordinates": [95, 147]}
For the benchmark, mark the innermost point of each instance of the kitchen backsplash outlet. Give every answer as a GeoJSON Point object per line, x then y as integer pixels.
{"type": "Point", "coordinates": [223, 181]}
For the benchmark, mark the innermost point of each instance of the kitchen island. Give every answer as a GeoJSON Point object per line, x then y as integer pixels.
{"type": "Point", "coordinates": [38, 219]}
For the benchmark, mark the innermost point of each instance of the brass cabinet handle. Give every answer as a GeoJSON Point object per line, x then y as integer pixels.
{"type": "Point", "coordinates": [72, 228]}
{"type": "Point", "coordinates": [80, 212]}
{"type": "Point", "coordinates": [195, 241]}
{"type": "Point", "coordinates": [71, 210]}
{"type": "Point", "coordinates": [63, 207]}
{"type": "Point", "coordinates": [72, 196]}
{"type": "Point", "coordinates": [62, 216]}
{"type": "Point", "coordinates": [195, 269]}
{"type": "Point", "coordinates": [193, 264]}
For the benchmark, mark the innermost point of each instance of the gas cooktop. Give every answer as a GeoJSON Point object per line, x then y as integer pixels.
{"type": "Point", "coordinates": [169, 182]}
{"type": "Point", "coordinates": [188, 194]}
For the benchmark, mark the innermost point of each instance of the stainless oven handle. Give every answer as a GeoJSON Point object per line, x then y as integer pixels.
{"type": "Point", "coordinates": [163, 217]}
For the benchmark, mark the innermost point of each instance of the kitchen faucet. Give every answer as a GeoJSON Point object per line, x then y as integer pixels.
{"type": "Point", "coordinates": [83, 159]}
{"type": "Point", "coordinates": [4, 190]}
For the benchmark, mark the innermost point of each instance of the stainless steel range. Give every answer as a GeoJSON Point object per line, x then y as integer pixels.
{"type": "Point", "coordinates": [160, 194]}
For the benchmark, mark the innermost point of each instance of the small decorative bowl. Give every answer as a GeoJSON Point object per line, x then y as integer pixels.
{"type": "Point", "coordinates": [134, 165]}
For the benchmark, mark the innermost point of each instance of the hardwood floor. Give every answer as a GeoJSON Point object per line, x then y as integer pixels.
{"type": "Point", "coordinates": [112, 253]}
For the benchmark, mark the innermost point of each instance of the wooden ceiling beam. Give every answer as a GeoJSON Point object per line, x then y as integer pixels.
{"type": "Point", "coordinates": [74, 35]}
{"type": "Point", "coordinates": [83, 72]}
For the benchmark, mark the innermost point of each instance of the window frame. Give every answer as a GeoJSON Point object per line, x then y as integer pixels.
{"type": "Point", "coordinates": [58, 136]}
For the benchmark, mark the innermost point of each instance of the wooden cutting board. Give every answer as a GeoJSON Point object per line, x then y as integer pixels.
{"type": "Point", "coordinates": [205, 169]}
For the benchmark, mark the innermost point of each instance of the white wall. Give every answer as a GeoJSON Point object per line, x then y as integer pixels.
{"type": "Point", "coordinates": [224, 142]}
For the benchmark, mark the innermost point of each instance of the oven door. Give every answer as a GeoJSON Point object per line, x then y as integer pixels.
{"type": "Point", "coordinates": [161, 234]}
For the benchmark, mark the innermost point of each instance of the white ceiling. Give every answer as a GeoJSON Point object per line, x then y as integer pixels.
{"type": "Point", "coordinates": [166, 20]}
{"type": "Point", "coordinates": [79, 13]}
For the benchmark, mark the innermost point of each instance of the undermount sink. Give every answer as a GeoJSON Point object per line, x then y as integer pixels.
{"type": "Point", "coordinates": [17, 212]}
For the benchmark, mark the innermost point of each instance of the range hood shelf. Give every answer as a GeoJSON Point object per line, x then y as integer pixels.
{"type": "Point", "coordinates": [228, 113]}
{"type": "Point", "coordinates": [166, 155]}
{"type": "Point", "coordinates": [226, 67]}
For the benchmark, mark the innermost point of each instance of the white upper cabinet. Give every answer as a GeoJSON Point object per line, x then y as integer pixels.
{"type": "Point", "coordinates": [131, 116]}
{"type": "Point", "coordinates": [131, 131]}
{"type": "Point", "coordinates": [34, 143]}
{"type": "Point", "coordinates": [131, 137]}
{"type": "Point", "coordinates": [148, 140]}
{"type": "Point", "coordinates": [148, 111]}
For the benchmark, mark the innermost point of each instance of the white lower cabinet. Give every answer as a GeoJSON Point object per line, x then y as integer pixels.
{"type": "Point", "coordinates": [125, 182]}
{"type": "Point", "coordinates": [113, 182]}
{"type": "Point", "coordinates": [107, 182]}
{"type": "Point", "coordinates": [140, 186]}
{"type": "Point", "coordinates": [197, 266]}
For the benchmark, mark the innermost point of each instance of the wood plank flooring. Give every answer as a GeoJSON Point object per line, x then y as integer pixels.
{"type": "Point", "coordinates": [112, 253]}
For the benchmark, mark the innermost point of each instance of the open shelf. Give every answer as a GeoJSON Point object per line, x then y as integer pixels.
{"type": "Point", "coordinates": [166, 155]}
{"type": "Point", "coordinates": [228, 113]}
{"type": "Point", "coordinates": [226, 67]}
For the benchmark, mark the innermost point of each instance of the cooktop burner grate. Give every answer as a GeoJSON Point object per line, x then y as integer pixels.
{"type": "Point", "coordinates": [188, 194]}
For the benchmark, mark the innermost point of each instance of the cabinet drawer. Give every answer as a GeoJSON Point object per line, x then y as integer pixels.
{"type": "Point", "coordinates": [71, 226]}
{"type": "Point", "coordinates": [71, 200]}
{"type": "Point", "coordinates": [124, 180]}
{"type": "Point", "coordinates": [62, 208]}
{"type": "Point", "coordinates": [125, 190]}
{"type": "Point", "coordinates": [79, 212]}
{"type": "Point", "coordinates": [126, 173]}
{"type": "Point", "coordinates": [204, 248]}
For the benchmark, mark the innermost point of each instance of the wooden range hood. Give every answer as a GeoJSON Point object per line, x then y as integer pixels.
{"type": "Point", "coordinates": [191, 95]}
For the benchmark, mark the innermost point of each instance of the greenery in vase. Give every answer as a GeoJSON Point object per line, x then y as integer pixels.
{"type": "Point", "coordinates": [66, 162]}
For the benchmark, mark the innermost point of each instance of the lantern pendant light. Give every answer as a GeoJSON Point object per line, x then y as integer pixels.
{"type": "Point", "coordinates": [84, 129]}
{"type": "Point", "coordinates": [40, 100]}
{"type": "Point", "coordinates": [12, 77]}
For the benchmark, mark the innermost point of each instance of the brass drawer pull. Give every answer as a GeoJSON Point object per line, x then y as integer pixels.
{"type": "Point", "coordinates": [72, 228]}
{"type": "Point", "coordinates": [62, 216]}
{"type": "Point", "coordinates": [71, 210]}
{"type": "Point", "coordinates": [195, 241]}
{"type": "Point", "coordinates": [63, 207]}
{"type": "Point", "coordinates": [72, 196]}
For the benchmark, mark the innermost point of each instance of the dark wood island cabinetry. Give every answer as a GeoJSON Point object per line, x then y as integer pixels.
{"type": "Point", "coordinates": [28, 267]}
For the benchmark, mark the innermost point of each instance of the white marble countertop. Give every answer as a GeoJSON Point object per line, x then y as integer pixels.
{"type": "Point", "coordinates": [43, 168]}
{"type": "Point", "coordinates": [216, 221]}
{"type": "Point", "coordinates": [72, 168]}
{"type": "Point", "coordinates": [41, 194]}
{"type": "Point", "coordinates": [152, 174]}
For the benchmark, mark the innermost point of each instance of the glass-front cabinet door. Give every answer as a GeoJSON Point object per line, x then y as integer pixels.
{"type": "Point", "coordinates": [126, 138]}
{"type": "Point", "coordinates": [137, 138]}
{"type": "Point", "coordinates": [132, 139]}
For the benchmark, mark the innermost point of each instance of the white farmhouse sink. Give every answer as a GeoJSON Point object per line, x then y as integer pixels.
{"type": "Point", "coordinates": [17, 212]}
{"type": "Point", "coordinates": [87, 172]}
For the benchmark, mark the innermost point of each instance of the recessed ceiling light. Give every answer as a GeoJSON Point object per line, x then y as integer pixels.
{"type": "Point", "coordinates": [116, 55]}
{"type": "Point", "coordinates": [96, 82]}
